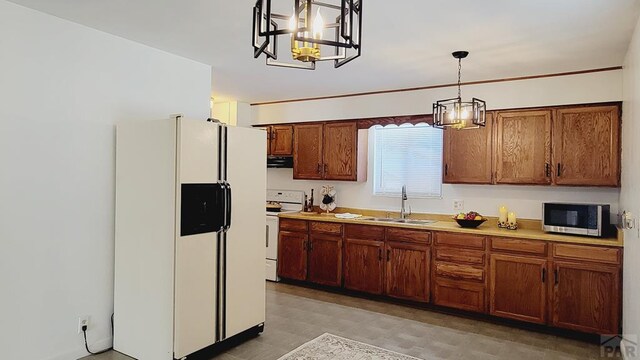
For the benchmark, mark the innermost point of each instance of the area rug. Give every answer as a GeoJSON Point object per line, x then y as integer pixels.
{"type": "Point", "coordinates": [332, 347]}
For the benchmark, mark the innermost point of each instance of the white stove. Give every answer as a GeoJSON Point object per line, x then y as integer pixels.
{"type": "Point", "coordinates": [291, 201]}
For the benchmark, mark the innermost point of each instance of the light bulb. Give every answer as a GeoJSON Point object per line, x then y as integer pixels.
{"type": "Point", "coordinates": [292, 22]}
{"type": "Point", "coordinates": [318, 25]}
{"type": "Point", "coordinates": [465, 114]}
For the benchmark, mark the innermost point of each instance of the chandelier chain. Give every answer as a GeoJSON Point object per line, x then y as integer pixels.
{"type": "Point", "coordinates": [459, 72]}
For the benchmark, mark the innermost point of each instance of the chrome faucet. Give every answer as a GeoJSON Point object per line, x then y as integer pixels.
{"type": "Point", "coordinates": [403, 210]}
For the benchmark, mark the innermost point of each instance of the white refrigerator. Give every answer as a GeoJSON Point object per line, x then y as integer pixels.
{"type": "Point", "coordinates": [189, 240]}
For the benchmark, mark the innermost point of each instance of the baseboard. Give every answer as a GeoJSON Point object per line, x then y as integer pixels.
{"type": "Point", "coordinates": [80, 352]}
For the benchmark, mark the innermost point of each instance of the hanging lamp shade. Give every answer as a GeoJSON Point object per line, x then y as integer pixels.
{"type": "Point", "coordinates": [458, 114]}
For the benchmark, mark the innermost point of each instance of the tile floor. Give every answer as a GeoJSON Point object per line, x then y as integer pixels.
{"type": "Point", "coordinates": [296, 315]}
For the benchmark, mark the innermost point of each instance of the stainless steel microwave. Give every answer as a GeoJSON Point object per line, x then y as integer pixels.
{"type": "Point", "coordinates": [578, 219]}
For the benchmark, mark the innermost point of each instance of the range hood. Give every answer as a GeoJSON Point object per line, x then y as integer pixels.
{"type": "Point", "coordinates": [280, 162]}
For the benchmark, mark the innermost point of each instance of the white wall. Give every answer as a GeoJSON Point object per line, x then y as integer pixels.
{"type": "Point", "coordinates": [585, 88]}
{"type": "Point", "coordinates": [63, 87]}
{"type": "Point", "coordinates": [630, 194]}
{"type": "Point", "coordinates": [524, 200]}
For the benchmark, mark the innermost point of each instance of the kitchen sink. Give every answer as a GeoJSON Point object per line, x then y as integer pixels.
{"type": "Point", "coordinates": [416, 221]}
{"type": "Point", "coordinates": [404, 221]}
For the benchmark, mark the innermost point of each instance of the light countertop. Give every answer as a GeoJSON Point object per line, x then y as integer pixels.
{"type": "Point", "coordinates": [530, 229]}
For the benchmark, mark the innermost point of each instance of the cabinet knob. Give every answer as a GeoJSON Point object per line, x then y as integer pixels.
{"type": "Point", "coordinates": [556, 277]}
{"type": "Point", "coordinates": [559, 171]}
{"type": "Point", "coordinates": [380, 254]}
{"type": "Point", "coordinates": [547, 170]}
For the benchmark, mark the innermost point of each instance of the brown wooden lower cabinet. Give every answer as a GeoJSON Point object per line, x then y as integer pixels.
{"type": "Point", "coordinates": [364, 265]}
{"type": "Point", "coordinates": [586, 297]}
{"type": "Point", "coordinates": [517, 288]}
{"type": "Point", "coordinates": [571, 286]}
{"type": "Point", "coordinates": [292, 255]}
{"type": "Point", "coordinates": [408, 271]}
{"type": "Point", "coordinates": [325, 259]}
{"type": "Point", "coordinates": [459, 295]}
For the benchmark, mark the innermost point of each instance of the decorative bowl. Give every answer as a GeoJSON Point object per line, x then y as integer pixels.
{"type": "Point", "coordinates": [469, 223]}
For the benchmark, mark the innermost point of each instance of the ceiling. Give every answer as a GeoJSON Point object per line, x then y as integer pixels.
{"type": "Point", "coordinates": [405, 44]}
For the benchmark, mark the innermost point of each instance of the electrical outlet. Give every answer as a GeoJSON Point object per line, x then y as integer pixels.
{"type": "Point", "coordinates": [83, 321]}
{"type": "Point", "coordinates": [458, 205]}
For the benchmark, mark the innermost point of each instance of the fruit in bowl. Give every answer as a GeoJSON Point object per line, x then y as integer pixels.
{"type": "Point", "coordinates": [469, 220]}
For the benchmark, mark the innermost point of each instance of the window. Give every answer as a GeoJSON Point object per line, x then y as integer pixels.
{"type": "Point", "coordinates": [407, 155]}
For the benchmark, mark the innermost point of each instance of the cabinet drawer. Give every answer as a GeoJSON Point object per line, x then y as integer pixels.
{"type": "Point", "coordinates": [397, 234]}
{"type": "Point", "coordinates": [326, 227]}
{"type": "Point", "coordinates": [293, 225]}
{"type": "Point", "coordinates": [587, 253]}
{"type": "Point", "coordinates": [460, 240]}
{"type": "Point", "coordinates": [519, 246]}
{"type": "Point", "coordinates": [459, 272]}
{"type": "Point", "coordinates": [459, 295]}
{"type": "Point", "coordinates": [460, 256]}
{"type": "Point", "coordinates": [364, 232]}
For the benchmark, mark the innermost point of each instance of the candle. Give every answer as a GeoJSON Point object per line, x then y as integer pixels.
{"type": "Point", "coordinates": [503, 214]}
{"type": "Point", "coordinates": [511, 218]}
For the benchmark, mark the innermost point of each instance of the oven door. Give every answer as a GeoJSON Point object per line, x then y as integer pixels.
{"type": "Point", "coordinates": [272, 248]}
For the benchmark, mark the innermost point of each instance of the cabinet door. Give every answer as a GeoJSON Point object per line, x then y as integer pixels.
{"type": "Point", "coordinates": [307, 151]}
{"type": "Point", "coordinates": [523, 147]}
{"type": "Point", "coordinates": [292, 255]}
{"type": "Point", "coordinates": [408, 271]}
{"type": "Point", "coordinates": [269, 137]}
{"type": "Point", "coordinates": [282, 140]}
{"type": "Point", "coordinates": [364, 265]}
{"type": "Point", "coordinates": [586, 297]}
{"type": "Point", "coordinates": [325, 260]}
{"type": "Point", "coordinates": [467, 155]}
{"type": "Point", "coordinates": [586, 148]}
{"type": "Point", "coordinates": [460, 295]}
{"type": "Point", "coordinates": [517, 288]}
{"type": "Point", "coordinates": [340, 151]}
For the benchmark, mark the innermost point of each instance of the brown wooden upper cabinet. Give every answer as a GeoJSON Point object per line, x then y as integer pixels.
{"type": "Point", "coordinates": [280, 140]}
{"type": "Point", "coordinates": [561, 145]}
{"type": "Point", "coordinates": [307, 151]}
{"type": "Point", "coordinates": [522, 147]}
{"type": "Point", "coordinates": [467, 155]}
{"type": "Point", "coordinates": [586, 148]}
{"type": "Point", "coordinates": [326, 151]}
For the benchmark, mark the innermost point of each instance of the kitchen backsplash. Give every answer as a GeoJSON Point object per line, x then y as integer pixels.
{"type": "Point", "coordinates": [525, 201]}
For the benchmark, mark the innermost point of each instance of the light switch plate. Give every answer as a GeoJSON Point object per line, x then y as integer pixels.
{"type": "Point", "coordinates": [458, 205]}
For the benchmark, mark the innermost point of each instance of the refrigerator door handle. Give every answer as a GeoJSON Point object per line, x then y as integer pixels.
{"type": "Point", "coordinates": [229, 202]}
{"type": "Point", "coordinates": [222, 203]}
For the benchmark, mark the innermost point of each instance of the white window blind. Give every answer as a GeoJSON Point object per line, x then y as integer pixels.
{"type": "Point", "coordinates": [407, 155]}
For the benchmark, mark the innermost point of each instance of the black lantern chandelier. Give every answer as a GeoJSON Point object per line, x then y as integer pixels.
{"type": "Point", "coordinates": [304, 29]}
{"type": "Point", "coordinates": [456, 113]}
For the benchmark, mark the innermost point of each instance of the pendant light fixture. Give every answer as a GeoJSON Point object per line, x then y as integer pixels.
{"type": "Point", "coordinates": [456, 113]}
{"type": "Point", "coordinates": [312, 39]}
